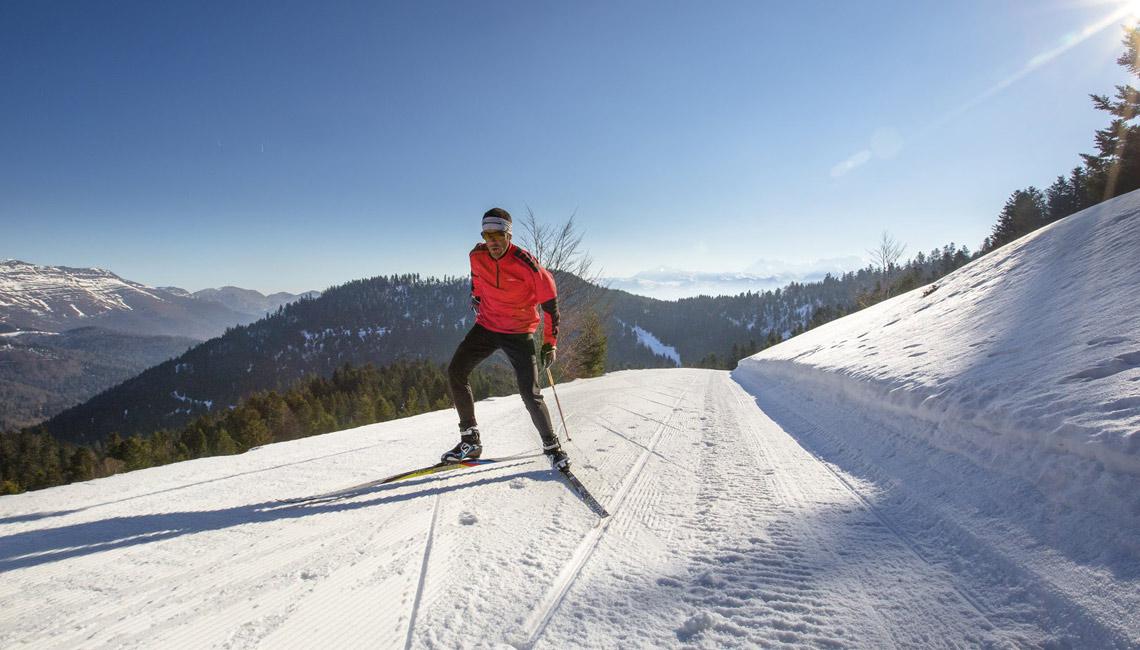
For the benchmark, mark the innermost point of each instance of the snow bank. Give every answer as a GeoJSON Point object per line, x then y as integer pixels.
{"type": "Point", "coordinates": [1026, 361]}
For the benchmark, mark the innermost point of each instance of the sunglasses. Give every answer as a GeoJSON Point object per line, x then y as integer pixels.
{"type": "Point", "coordinates": [496, 235]}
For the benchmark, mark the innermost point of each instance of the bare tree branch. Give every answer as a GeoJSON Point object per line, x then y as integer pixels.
{"type": "Point", "coordinates": [560, 250]}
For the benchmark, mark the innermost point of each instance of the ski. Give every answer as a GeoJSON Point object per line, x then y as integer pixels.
{"type": "Point", "coordinates": [449, 466]}
{"type": "Point", "coordinates": [410, 474]}
{"type": "Point", "coordinates": [583, 494]}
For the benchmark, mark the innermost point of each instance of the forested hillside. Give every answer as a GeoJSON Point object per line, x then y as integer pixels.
{"type": "Point", "coordinates": [384, 319]}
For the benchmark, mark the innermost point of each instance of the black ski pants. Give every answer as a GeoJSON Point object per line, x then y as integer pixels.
{"type": "Point", "coordinates": [481, 343]}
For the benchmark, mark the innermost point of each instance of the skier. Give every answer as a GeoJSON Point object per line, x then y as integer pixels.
{"type": "Point", "coordinates": [507, 285]}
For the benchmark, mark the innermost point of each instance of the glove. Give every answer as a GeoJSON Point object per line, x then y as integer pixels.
{"type": "Point", "coordinates": [475, 300]}
{"type": "Point", "coordinates": [548, 354]}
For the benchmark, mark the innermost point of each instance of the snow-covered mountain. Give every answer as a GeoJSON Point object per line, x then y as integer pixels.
{"type": "Point", "coordinates": [666, 283]}
{"type": "Point", "coordinates": [112, 329]}
{"type": "Point", "coordinates": [954, 467]}
{"type": "Point", "coordinates": [56, 298]}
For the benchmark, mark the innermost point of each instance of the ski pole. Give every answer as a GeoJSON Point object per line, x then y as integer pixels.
{"type": "Point", "coordinates": [550, 378]}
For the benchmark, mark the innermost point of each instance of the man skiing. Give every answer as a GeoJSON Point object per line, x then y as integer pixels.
{"type": "Point", "coordinates": [507, 286]}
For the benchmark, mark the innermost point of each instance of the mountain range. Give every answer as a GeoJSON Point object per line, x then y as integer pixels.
{"type": "Point", "coordinates": [69, 333]}
{"type": "Point", "coordinates": [57, 298]}
{"type": "Point", "coordinates": [383, 319]}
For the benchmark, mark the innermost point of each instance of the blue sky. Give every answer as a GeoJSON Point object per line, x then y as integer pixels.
{"type": "Point", "coordinates": [296, 145]}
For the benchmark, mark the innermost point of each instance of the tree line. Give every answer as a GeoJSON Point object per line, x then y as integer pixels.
{"type": "Point", "coordinates": [32, 459]}
{"type": "Point", "coordinates": [1114, 168]}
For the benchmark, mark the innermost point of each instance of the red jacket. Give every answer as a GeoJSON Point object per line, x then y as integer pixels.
{"type": "Point", "coordinates": [509, 290]}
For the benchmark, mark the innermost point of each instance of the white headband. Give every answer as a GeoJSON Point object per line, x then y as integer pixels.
{"type": "Point", "coordinates": [496, 223]}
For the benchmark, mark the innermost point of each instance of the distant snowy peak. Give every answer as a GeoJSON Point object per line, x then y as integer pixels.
{"type": "Point", "coordinates": [58, 298]}
{"type": "Point", "coordinates": [54, 297]}
{"type": "Point", "coordinates": [667, 283]}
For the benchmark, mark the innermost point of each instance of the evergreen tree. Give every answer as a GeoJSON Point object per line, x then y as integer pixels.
{"type": "Point", "coordinates": [1060, 200]}
{"type": "Point", "coordinates": [82, 465]}
{"type": "Point", "coordinates": [1115, 168]}
{"type": "Point", "coordinates": [1023, 213]}
{"type": "Point", "coordinates": [591, 347]}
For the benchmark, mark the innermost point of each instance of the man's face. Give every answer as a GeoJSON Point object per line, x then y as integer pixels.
{"type": "Point", "coordinates": [497, 242]}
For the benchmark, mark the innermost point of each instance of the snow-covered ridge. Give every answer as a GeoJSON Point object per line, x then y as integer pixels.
{"type": "Point", "coordinates": [65, 292]}
{"type": "Point", "coordinates": [1026, 361]}
{"type": "Point", "coordinates": [58, 298]}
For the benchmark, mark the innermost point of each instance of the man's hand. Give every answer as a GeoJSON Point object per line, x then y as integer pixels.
{"type": "Point", "coordinates": [548, 354]}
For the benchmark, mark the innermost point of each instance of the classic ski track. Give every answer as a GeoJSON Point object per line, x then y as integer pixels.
{"type": "Point", "coordinates": [1058, 604]}
{"type": "Point", "coordinates": [289, 559]}
{"type": "Point", "coordinates": [231, 476]}
{"type": "Point", "coordinates": [539, 619]}
{"type": "Point", "coordinates": [870, 537]}
{"type": "Point", "coordinates": [423, 574]}
{"type": "Point", "coordinates": [126, 601]}
{"type": "Point", "coordinates": [769, 579]}
{"type": "Point", "coordinates": [769, 583]}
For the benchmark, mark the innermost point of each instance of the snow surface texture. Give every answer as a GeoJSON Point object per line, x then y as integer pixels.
{"type": "Point", "coordinates": [724, 532]}
{"type": "Point", "coordinates": [1014, 386]}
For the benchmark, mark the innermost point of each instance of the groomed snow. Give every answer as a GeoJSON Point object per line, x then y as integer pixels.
{"type": "Point", "coordinates": [948, 470]}
{"type": "Point", "coordinates": [1013, 388]}
{"type": "Point", "coordinates": [725, 533]}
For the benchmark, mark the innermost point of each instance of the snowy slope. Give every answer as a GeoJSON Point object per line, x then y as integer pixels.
{"type": "Point", "coordinates": [1009, 398]}
{"type": "Point", "coordinates": [725, 533]}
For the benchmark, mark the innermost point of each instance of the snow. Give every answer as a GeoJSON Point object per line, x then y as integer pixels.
{"type": "Point", "coordinates": [724, 532]}
{"type": "Point", "coordinates": [949, 470]}
{"type": "Point", "coordinates": [647, 339]}
{"type": "Point", "coordinates": [28, 333]}
{"type": "Point", "coordinates": [29, 287]}
{"type": "Point", "coordinates": [209, 404]}
{"type": "Point", "coordinates": [1021, 371]}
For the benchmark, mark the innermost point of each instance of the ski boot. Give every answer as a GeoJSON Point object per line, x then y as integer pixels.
{"type": "Point", "coordinates": [558, 458]}
{"type": "Point", "coordinates": [468, 448]}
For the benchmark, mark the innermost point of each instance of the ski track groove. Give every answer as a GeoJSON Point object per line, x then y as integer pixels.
{"type": "Point", "coordinates": [291, 558]}
{"type": "Point", "coordinates": [423, 573]}
{"type": "Point", "coordinates": [876, 532]}
{"type": "Point", "coordinates": [1058, 607]}
{"type": "Point", "coordinates": [539, 618]}
{"type": "Point", "coordinates": [768, 575]}
{"type": "Point", "coordinates": [732, 576]}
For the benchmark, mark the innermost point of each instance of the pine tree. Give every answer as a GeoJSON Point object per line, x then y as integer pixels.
{"type": "Point", "coordinates": [1115, 168]}
{"type": "Point", "coordinates": [1060, 200]}
{"type": "Point", "coordinates": [82, 465]}
{"type": "Point", "coordinates": [591, 347]}
{"type": "Point", "coordinates": [1023, 213]}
